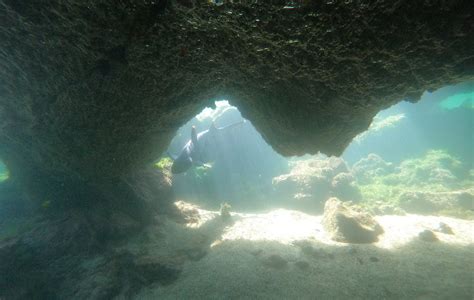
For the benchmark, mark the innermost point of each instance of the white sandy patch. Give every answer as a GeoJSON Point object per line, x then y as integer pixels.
{"type": "Point", "coordinates": [284, 226]}
{"type": "Point", "coordinates": [260, 256]}
{"type": "Point", "coordinates": [287, 226]}
{"type": "Point", "coordinates": [400, 230]}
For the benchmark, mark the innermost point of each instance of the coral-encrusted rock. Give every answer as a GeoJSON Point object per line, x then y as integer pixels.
{"type": "Point", "coordinates": [371, 166]}
{"type": "Point", "coordinates": [312, 181]}
{"type": "Point", "coordinates": [343, 186]}
{"type": "Point", "coordinates": [349, 224]}
{"type": "Point", "coordinates": [423, 202]}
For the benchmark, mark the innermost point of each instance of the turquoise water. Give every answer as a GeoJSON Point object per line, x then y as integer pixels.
{"type": "Point", "coordinates": [458, 100]}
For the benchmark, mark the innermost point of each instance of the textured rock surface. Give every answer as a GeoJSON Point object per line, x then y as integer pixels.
{"type": "Point", "coordinates": [348, 224]}
{"type": "Point", "coordinates": [366, 169]}
{"type": "Point", "coordinates": [431, 202]}
{"type": "Point", "coordinates": [78, 258]}
{"type": "Point", "coordinates": [91, 90]}
{"type": "Point", "coordinates": [311, 182]}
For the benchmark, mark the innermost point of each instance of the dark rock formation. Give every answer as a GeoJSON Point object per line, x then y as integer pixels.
{"type": "Point", "coordinates": [93, 91]}
{"type": "Point", "coordinates": [349, 224]}
{"type": "Point", "coordinates": [67, 259]}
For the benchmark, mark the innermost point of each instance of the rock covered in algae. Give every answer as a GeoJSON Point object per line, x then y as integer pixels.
{"type": "Point", "coordinates": [312, 181]}
{"type": "Point", "coordinates": [349, 224]}
{"type": "Point", "coordinates": [428, 202]}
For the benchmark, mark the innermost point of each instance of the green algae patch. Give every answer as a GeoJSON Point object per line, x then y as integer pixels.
{"type": "Point", "coordinates": [164, 163]}
{"type": "Point", "coordinates": [436, 183]}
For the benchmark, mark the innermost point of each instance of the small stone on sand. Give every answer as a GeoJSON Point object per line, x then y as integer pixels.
{"type": "Point", "coordinates": [427, 236]}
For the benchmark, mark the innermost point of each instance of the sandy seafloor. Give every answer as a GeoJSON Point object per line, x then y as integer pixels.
{"type": "Point", "coordinates": [286, 254]}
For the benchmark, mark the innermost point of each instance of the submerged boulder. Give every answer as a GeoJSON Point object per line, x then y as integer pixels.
{"type": "Point", "coordinates": [312, 181]}
{"type": "Point", "coordinates": [366, 169]}
{"type": "Point", "coordinates": [428, 236]}
{"type": "Point", "coordinates": [444, 228]}
{"type": "Point", "coordinates": [344, 187]}
{"type": "Point", "coordinates": [424, 202]}
{"type": "Point", "coordinates": [349, 224]}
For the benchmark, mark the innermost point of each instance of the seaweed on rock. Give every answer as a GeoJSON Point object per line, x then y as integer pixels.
{"type": "Point", "coordinates": [434, 183]}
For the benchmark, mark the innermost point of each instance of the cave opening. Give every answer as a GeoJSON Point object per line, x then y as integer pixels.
{"type": "Point", "coordinates": [235, 166]}
{"type": "Point", "coordinates": [404, 149]}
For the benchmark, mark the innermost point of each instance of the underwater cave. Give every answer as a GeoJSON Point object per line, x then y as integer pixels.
{"type": "Point", "coordinates": [345, 144]}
